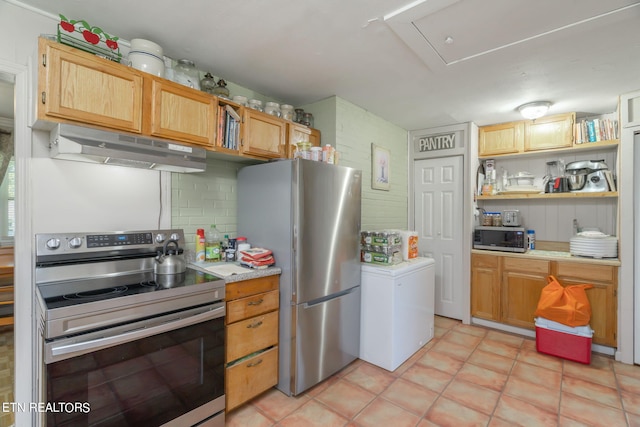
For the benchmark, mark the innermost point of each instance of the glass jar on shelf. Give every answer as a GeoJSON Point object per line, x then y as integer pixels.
{"type": "Point", "coordinates": [221, 89]}
{"type": "Point", "coordinates": [487, 219]}
{"type": "Point", "coordinates": [307, 119]}
{"type": "Point", "coordinates": [242, 100]}
{"type": "Point", "coordinates": [208, 83]}
{"type": "Point", "coordinates": [187, 74]}
{"type": "Point", "coordinates": [497, 219]}
{"type": "Point", "coordinates": [287, 112]}
{"type": "Point", "coordinates": [273, 108]}
{"type": "Point", "coordinates": [303, 150]}
{"type": "Point", "coordinates": [256, 104]}
{"type": "Point", "coordinates": [299, 115]}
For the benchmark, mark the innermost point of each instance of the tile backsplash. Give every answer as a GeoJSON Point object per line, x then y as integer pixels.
{"type": "Point", "coordinates": [201, 199]}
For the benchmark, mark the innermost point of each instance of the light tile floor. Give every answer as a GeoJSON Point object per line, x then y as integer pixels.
{"type": "Point", "coordinates": [465, 376]}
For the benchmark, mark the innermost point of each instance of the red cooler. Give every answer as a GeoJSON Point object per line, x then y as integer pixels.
{"type": "Point", "coordinates": [564, 341]}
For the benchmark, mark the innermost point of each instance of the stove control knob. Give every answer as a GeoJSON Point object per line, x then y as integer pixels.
{"type": "Point", "coordinates": [161, 237]}
{"type": "Point", "coordinates": [75, 243]}
{"type": "Point", "coordinates": [176, 237]}
{"type": "Point", "coordinates": [53, 244]}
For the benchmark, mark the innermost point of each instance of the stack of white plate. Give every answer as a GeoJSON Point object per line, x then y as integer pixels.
{"type": "Point", "coordinates": [594, 245]}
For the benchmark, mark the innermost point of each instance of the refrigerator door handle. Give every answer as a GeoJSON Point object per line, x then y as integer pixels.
{"type": "Point", "coordinates": [295, 238]}
{"type": "Point", "coordinates": [317, 301]}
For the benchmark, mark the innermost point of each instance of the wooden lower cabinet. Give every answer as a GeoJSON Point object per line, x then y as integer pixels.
{"type": "Point", "coordinates": [251, 339]}
{"type": "Point", "coordinates": [485, 287]}
{"type": "Point", "coordinates": [603, 297]}
{"type": "Point", "coordinates": [522, 283]}
{"type": "Point", "coordinates": [507, 289]}
{"type": "Point", "coordinates": [250, 377]}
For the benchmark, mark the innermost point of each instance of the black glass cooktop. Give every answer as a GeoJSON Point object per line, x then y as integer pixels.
{"type": "Point", "coordinates": [57, 295]}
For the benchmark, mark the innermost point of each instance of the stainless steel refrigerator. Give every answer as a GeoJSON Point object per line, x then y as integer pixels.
{"type": "Point", "coordinates": [308, 214]}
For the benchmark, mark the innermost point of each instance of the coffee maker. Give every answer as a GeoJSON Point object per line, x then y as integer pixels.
{"type": "Point", "coordinates": [587, 176]}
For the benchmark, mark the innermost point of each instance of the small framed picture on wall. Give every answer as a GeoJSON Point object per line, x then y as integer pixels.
{"type": "Point", "coordinates": [380, 167]}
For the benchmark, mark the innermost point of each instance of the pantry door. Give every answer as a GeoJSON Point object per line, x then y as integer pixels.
{"type": "Point", "coordinates": [438, 205]}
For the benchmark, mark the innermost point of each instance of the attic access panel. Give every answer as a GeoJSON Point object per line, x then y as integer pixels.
{"type": "Point", "coordinates": [445, 32]}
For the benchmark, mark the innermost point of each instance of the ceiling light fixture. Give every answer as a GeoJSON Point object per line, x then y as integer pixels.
{"type": "Point", "coordinates": [534, 110]}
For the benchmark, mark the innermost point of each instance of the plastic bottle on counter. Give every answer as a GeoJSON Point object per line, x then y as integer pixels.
{"type": "Point", "coordinates": [531, 239]}
{"type": "Point", "coordinates": [230, 254]}
{"type": "Point", "coordinates": [241, 245]}
{"type": "Point", "coordinates": [212, 245]}
{"type": "Point", "coordinates": [328, 153]}
{"type": "Point", "coordinates": [224, 246]}
{"type": "Point", "coordinates": [200, 244]}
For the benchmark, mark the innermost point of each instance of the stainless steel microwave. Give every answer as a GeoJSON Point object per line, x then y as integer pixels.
{"type": "Point", "coordinates": [506, 239]}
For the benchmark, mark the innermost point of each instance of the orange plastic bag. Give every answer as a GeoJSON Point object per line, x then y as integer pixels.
{"type": "Point", "coordinates": [568, 305]}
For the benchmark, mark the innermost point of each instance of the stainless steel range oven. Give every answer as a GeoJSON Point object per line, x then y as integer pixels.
{"type": "Point", "coordinates": [121, 345]}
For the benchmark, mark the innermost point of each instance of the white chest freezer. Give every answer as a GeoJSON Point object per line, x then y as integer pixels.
{"type": "Point", "coordinates": [397, 312]}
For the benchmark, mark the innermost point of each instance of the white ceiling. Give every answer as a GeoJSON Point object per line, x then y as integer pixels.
{"type": "Point", "coordinates": [578, 54]}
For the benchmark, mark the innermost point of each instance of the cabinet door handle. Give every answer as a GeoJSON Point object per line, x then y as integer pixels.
{"type": "Point", "coordinates": [258, 302]}
{"type": "Point", "coordinates": [256, 363]}
{"type": "Point", "coordinates": [255, 325]}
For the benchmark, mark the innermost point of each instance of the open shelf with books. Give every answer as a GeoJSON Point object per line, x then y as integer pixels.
{"type": "Point", "coordinates": [594, 129]}
{"type": "Point", "coordinates": [228, 126]}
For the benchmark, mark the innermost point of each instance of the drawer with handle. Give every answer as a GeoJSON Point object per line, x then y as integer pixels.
{"type": "Point", "coordinates": [251, 377]}
{"type": "Point", "coordinates": [251, 335]}
{"type": "Point", "coordinates": [252, 306]}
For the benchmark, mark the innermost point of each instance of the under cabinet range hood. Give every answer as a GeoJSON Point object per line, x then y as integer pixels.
{"type": "Point", "coordinates": [84, 144]}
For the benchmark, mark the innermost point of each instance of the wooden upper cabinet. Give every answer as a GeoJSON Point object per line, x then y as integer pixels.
{"type": "Point", "coordinates": [549, 132]}
{"type": "Point", "coordinates": [75, 86]}
{"type": "Point", "coordinates": [505, 138]}
{"type": "Point", "coordinates": [264, 135]}
{"type": "Point", "coordinates": [300, 133]}
{"type": "Point", "coordinates": [545, 133]}
{"type": "Point", "coordinates": [179, 113]}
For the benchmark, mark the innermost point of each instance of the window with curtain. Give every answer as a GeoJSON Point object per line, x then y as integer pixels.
{"type": "Point", "coordinates": [7, 188]}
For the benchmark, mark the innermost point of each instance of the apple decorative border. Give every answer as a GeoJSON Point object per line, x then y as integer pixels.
{"type": "Point", "coordinates": [79, 34]}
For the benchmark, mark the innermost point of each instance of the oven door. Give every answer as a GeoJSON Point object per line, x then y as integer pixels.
{"type": "Point", "coordinates": [168, 370]}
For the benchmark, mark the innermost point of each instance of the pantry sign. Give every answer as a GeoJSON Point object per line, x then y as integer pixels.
{"type": "Point", "coordinates": [436, 142]}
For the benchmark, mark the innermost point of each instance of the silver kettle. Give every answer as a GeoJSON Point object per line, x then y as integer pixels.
{"type": "Point", "coordinates": [170, 261]}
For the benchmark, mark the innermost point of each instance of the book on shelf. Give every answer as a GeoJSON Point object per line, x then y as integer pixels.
{"type": "Point", "coordinates": [591, 131]}
{"type": "Point", "coordinates": [610, 180]}
{"type": "Point", "coordinates": [596, 130]}
{"type": "Point", "coordinates": [232, 112]}
{"type": "Point", "coordinates": [228, 128]}
{"type": "Point", "coordinates": [220, 128]}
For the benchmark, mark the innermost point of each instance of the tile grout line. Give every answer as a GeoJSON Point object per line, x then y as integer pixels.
{"type": "Point", "coordinates": [513, 364]}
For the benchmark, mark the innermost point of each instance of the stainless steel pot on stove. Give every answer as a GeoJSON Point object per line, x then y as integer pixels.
{"type": "Point", "coordinates": [170, 261]}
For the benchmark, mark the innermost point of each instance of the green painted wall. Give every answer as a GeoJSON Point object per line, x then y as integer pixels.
{"type": "Point", "coordinates": [352, 130]}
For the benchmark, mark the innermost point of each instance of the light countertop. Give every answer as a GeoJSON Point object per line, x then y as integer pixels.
{"type": "Point", "coordinates": [232, 271]}
{"type": "Point", "coordinates": [551, 256]}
